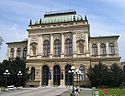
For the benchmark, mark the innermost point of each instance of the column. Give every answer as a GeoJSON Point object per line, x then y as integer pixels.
{"type": "Point", "coordinates": [98, 49]}
{"type": "Point", "coordinates": [40, 48]}
{"type": "Point", "coordinates": [86, 50]}
{"type": "Point", "coordinates": [74, 45]}
{"type": "Point", "coordinates": [50, 81]}
{"type": "Point", "coordinates": [51, 47]}
{"type": "Point", "coordinates": [116, 48]}
{"type": "Point", "coordinates": [62, 80]}
{"type": "Point", "coordinates": [107, 49]}
{"type": "Point", "coordinates": [28, 48]}
{"type": "Point", "coordinates": [15, 52]}
{"type": "Point", "coordinates": [62, 46]}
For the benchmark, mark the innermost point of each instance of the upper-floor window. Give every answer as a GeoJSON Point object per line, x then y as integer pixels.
{"type": "Point", "coordinates": [80, 46]}
{"type": "Point", "coordinates": [111, 48]}
{"type": "Point", "coordinates": [57, 47]}
{"type": "Point", "coordinates": [33, 48]}
{"type": "Point", "coordinates": [18, 52]}
{"type": "Point", "coordinates": [12, 53]}
{"type": "Point", "coordinates": [46, 48]}
{"type": "Point", "coordinates": [103, 49]}
{"type": "Point", "coordinates": [24, 52]}
{"type": "Point", "coordinates": [94, 49]}
{"type": "Point", "coordinates": [68, 46]}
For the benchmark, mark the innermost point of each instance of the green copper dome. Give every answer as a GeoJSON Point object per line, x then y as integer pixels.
{"type": "Point", "coordinates": [59, 17]}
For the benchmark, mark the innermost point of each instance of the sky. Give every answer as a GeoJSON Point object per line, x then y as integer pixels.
{"type": "Point", "coordinates": [106, 17]}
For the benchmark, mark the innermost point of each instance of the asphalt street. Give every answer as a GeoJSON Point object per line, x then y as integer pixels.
{"type": "Point", "coordinates": [44, 91]}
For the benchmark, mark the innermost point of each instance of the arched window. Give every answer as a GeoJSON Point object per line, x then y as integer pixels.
{"type": "Point", "coordinates": [33, 49]}
{"type": "Point", "coordinates": [94, 49]}
{"type": "Point", "coordinates": [68, 47]}
{"type": "Point", "coordinates": [18, 52]}
{"type": "Point", "coordinates": [25, 52]}
{"type": "Point", "coordinates": [103, 49]}
{"type": "Point", "coordinates": [57, 48]}
{"type": "Point", "coordinates": [46, 48]}
{"type": "Point", "coordinates": [80, 46]}
{"type": "Point", "coordinates": [111, 48]}
{"type": "Point", "coordinates": [82, 76]}
{"type": "Point", "coordinates": [32, 73]}
{"type": "Point", "coordinates": [12, 53]}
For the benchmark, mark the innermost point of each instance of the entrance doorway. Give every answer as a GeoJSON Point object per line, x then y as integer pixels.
{"type": "Point", "coordinates": [45, 75]}
{"type": "Point", "coordinates": [56, 75]}
{"type": "Point", "coordinates": [68, 76]}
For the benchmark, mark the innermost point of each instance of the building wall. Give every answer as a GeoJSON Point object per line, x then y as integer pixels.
{"type": "Point", "coordinates": [82, 55]}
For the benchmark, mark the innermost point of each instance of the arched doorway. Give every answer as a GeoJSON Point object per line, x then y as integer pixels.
{"type": "Point", "coordinates": [68, 76]}
{"type": "Point", "coordinates": [56, 75]}
{"type": "Point", "coordinates": [45, 75]}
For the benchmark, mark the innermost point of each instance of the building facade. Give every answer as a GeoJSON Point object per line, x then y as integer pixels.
{"type": "Point", "coordinates": [58, 41]}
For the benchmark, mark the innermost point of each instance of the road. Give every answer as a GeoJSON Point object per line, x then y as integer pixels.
{"type": "Point", "coordinates": [46, 91]}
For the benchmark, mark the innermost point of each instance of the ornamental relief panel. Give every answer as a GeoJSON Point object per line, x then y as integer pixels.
{"type": "Point", "coordinates": [34, 38]}
{"type": "Point", "coordinates": [67, 35]}
{"type": "Point", "coordinates": [80, 35]}
{"type": "Point", "coordinates": [56, 36]}
{"type": "Point", "coordinates": [46, 37]}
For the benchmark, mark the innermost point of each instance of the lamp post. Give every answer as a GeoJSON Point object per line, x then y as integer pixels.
{"type": "Point", "coordinates": [19, 74]}
{"type": "Point", "coordinates": [74, 72]}
{"type": "Point", "coordinates": [6, 73]}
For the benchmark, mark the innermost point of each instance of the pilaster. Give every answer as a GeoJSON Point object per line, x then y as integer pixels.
{"type": "Point", "coordinates": [107, 48]}
{"type": "Point", "coordinates": [62, 45]}
{"type": "Point", "coordinates": [51, 46]}
{"type": "Point", "coordinates": [98, 49]}
{"type": "Point", "coordinates": [15, 52]}
{"type": "Point", "coordinates": [40, 46]}
{"type": "Point", "coordinates": [74, 45]}
{"type": "Point", "coordinates": [28, 48]}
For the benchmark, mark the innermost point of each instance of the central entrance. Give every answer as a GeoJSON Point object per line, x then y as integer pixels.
{"type": "Point", "coordinates": [56, 75]}
{"type": "Point", "coordinates": [68, 76]}
{"type": "Point", "coordinates": [45, 75]}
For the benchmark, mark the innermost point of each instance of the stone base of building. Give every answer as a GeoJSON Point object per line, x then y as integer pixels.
{"type": "Point", "coordinates": [32, 84]}
{"type": "Point", "coordinates": [84, 83]}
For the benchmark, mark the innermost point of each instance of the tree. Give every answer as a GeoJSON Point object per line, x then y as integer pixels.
{"type": "Point", "coordinates": [98, 75]}
{"type": "Point", "coordinates": [14, 66]}
{"type": "Point", "coordinates": [116, 76]}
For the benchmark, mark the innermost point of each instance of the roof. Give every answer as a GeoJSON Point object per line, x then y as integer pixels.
{"type": "Point", "coordinates": [22, 41]}
{"type": "Point", "coordinates": [59, 17]}
{"type": "Point", "coordinates": [98, 37]}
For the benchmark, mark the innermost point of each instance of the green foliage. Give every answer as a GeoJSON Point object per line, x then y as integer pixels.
{"type": "Point", "coordinates": [112, 92]}
{"type": "Point", "coordinates": [116, 76]}
{"type": "Point", "coordinates": [13, 66]}
{"type": "Point", "coordinates": [101, 75]}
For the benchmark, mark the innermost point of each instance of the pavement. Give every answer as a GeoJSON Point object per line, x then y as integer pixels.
{"type": "Point", "coordinates": [44, 91]}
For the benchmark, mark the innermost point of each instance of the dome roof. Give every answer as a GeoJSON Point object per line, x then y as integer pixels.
{"type": "Point", "coordinates": [59, 17]}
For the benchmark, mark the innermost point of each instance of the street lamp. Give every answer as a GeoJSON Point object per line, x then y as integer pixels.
{"type": "Point", "coordinates": [6, 73]}
{"type": "Point", "coordinates": [19, 74]}
{"type": "Point", "coordinates": [74, 72]}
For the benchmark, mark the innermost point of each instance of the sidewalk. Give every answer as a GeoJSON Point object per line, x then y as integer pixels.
{"type": "Point", "coordinates": [83, 92]}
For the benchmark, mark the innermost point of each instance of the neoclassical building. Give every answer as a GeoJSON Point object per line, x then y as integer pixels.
{"type": "Point", "coordinates": [58, 41]}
